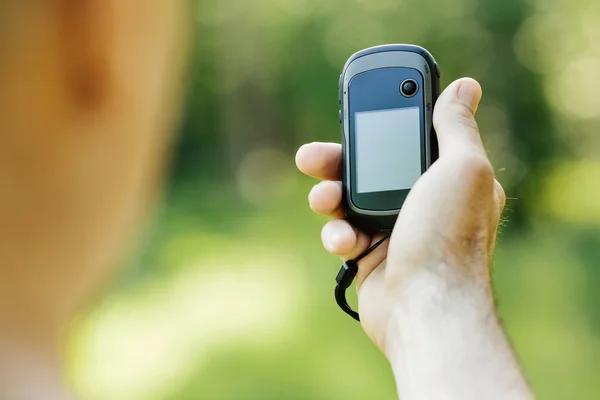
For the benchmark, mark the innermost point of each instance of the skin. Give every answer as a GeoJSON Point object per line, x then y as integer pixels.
{"type": "Point", "coordinates": [425, 297]}
{"type": "Point", "coordinates": [91, 91]}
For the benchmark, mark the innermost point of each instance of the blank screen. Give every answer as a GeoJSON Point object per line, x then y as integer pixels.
{"type": "Point", "coordinates": [388, 149]}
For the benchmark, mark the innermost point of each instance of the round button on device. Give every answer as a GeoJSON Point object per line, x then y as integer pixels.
{"type": "Point", "coordinates": [409, 88]}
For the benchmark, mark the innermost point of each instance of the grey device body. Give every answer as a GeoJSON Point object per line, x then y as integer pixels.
{"type": "Point", "coordinates": [382, 209]}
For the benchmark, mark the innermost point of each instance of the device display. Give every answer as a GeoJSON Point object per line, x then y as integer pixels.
{"type": "Point", "coordinates": [386, 97]}
{"type": "Point", "coordinates": [388, 149]}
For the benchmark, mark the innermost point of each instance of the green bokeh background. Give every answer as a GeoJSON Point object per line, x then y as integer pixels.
{"type": "Point", "coordinates": [231, 297]}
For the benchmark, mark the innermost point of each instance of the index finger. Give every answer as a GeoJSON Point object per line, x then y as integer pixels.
{"type": "Point", "coordinates": [321, 160]}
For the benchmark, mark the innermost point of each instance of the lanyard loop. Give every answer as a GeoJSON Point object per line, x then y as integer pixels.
{"type": "Point", "coordinates": [345, 277]}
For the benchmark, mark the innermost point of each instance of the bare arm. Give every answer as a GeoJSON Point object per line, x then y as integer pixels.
{"type": "Point", "coordinates": [429, 307]}
{"type": "Point", "coordinates": [448, 343]}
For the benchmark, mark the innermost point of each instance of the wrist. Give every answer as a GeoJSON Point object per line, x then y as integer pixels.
{"type": "Point", "coordinates": [444, 341]}
{"type": "Point", "coordinates": [438, 326]}
{"type": "Point", "coordinates": [437, 300]}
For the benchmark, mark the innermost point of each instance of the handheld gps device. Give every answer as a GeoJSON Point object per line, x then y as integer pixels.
{"type": "Point", "coordinates": [386, 97]}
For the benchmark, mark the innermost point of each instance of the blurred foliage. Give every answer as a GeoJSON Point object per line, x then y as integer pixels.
{"type": "Point", "coordinates": [232, 297]}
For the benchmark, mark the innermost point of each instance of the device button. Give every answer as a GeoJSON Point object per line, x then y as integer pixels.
{"type": "Point", "coordinates": [340, 115]}
{"type": "Point", "coordinates": [437, 70]}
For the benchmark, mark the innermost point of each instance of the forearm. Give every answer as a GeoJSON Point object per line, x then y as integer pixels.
{"type": "Point", "coordinates": [445, 342]}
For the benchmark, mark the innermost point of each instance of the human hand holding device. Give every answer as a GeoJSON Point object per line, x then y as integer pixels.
{"type": "Point", "coordinates": [386, 97]}
{"type": "Point", "coordinates": [429, 306]}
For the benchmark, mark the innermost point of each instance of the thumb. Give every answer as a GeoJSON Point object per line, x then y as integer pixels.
{"type": "Point", "coordinates": [453, 118]}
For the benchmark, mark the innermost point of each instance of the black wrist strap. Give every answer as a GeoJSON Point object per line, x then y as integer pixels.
{"type": "Point", "coordinates": [346, 276]}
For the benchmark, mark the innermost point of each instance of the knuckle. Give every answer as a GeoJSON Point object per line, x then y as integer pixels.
{"type": "Point", "coordinates": [477, 169]}
{"type": "Point", "coordinates": [480, 166]}
{"type": "Point", "coordinates": [465, 118]}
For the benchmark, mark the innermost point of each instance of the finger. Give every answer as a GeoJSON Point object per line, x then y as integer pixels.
{"type": "Point", "coordinates": [325, 198]}
{"type": "Point", "coordinates": [454, 121]}
{"type": "Point", "coordinates": [342, 239]}
{"type": "Point", "coordinates": [321, 160]}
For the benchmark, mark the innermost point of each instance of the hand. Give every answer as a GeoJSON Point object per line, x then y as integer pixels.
{"type": "Point", "coordinates": [447, 226]}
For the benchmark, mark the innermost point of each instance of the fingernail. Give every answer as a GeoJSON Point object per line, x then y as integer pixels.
{"type": "Point", "coordinates": [469, 92]}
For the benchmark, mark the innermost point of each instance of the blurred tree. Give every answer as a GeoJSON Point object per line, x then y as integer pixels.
{"type": "Point", "coordinates": [265, 78]}
{"type": "Point", "coordinates": [533, 135]}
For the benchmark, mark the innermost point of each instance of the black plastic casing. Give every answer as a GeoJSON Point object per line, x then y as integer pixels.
{"type": "Point", "coordinates": [370, 216]}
